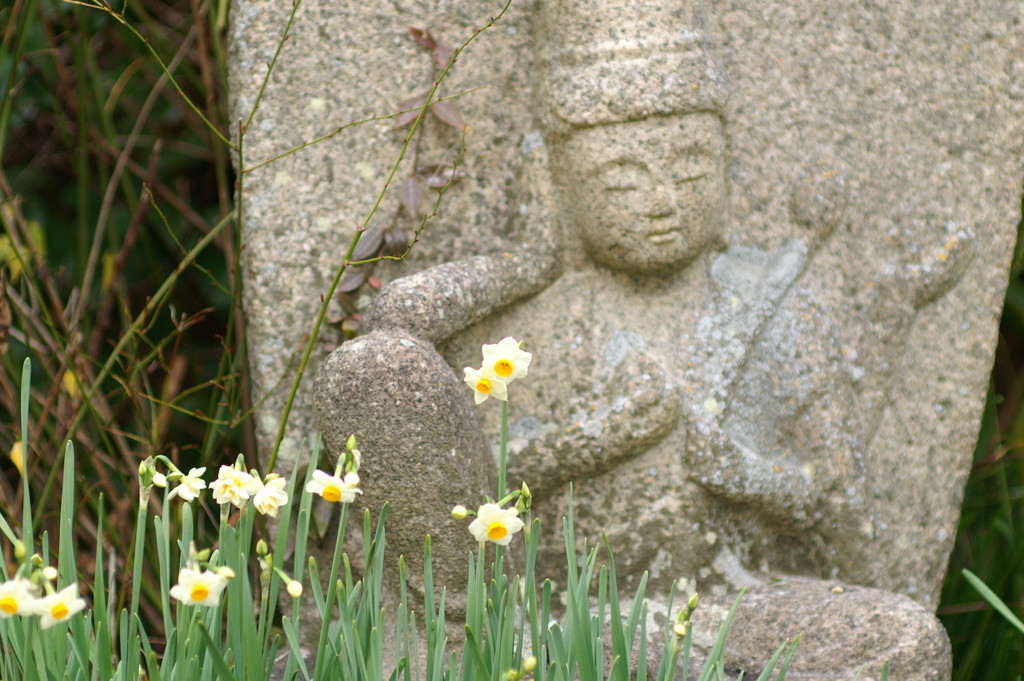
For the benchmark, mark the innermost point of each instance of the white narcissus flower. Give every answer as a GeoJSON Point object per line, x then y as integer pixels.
{"type": "Point", "coordinates": [189, 486]}
{"type": "Point", "coordinates": [233, 486]}
{"type": "Point", "coordinates": [271, 496]}
{"type": "Point", "coordinates": [506, 360]}
{"type": "Point", "coordinates": [333, 488]}
{"type": "Point", "coordinates": [15, 598]}
{"type": "Point", "coordinates": [496, 524]}
{"type": "Point", "coordinates": [58, 607]}
{"type": "Point", "coordinates": [485, 383]}
{"type": "Point", "coordinates": [199, 588]}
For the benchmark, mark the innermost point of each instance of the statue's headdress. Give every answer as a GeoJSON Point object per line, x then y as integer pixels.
{"type": "Point", "coordinates": [608, 61]}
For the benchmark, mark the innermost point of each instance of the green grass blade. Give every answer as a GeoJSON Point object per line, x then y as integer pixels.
{"type": "Point", "coordinates": [789, 658]}
{"type": "Point", "coordinates": [766, 674]}
{"type": "Point", "coordinates": [219, 665]}
{"type": "Point", "coordinates": [993, 600]}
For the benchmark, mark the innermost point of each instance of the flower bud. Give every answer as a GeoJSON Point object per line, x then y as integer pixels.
{"type": "Point", "coordinates": [681, 629]}
{"type": "Point", "coordinates": [529, 664]}
{"type": "Point", "coordinates": [459, 512]}
{"type": "Point", "coordinates": [160, 480]}
{"type": "Point", "coordinates": [50, 572]}
{"type": "Point", "coordinates": [203, 555]}
{"type": "Point", "coordinates": [17, 456]}
{"type": "Point", "coordinates": [226, 572]}
{"type": "Point", "coordinates": [20, 550]}
{"type": "Point", "coordinates": [294, 588]}
{"type": "Point", "coordinates": [351, 444]}
{"type": "Point", "coordinates": [691, 605]}
{"type": "Point", "coordinates": [261, 548]}
{"type": "Point", "coordinates": [36, 560]}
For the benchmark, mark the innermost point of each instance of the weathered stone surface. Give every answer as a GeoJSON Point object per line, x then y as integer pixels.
{"type": "Point", "coordinates": [421, 453]}
{"type": "Point", "coordinates": [759, 258]}
{"type": "Point", "coordinates": [844, 631]}
{"type": "Point", "coordinates": [841, 628]}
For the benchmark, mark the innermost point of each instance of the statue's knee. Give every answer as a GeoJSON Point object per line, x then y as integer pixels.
{"type": "Point", "coordinates": [422, 448]}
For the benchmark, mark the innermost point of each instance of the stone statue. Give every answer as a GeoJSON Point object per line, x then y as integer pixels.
{"type": "Point", "coordinates": [715, 416]}
{"type": "Point", "coordinates": [783, 382]}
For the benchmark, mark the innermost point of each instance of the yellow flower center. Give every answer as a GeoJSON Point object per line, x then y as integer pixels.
{"type": "Point", "coordinates": [9, 605]}
{"type": "Point", "coordinates": [199, 593]}
{"type": "Point", "coordinates": [503, 368]}
{"type": "Point", "coordinates": [332, 494]}
{"type": "Point", "coordinates": [59, 611]}
{"type": "Point", "coordinates": [496, 531]}
{"type": "Point", "coordinates": [483, 386]}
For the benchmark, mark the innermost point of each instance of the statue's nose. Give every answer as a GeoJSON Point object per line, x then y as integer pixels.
{"type": "Point", "coordinates": [659, 203]}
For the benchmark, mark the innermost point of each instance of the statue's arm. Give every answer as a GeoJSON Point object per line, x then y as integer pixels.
{"type": "Point", "coordinates": [437, 303]}
{"type": "Point", "coordinates": [598, 432]}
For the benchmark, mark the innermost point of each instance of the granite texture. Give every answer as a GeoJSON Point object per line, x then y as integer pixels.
{"type": "Point", "coordinates": [757, 249]}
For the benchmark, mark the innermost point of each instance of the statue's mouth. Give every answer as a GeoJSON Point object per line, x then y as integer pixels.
{"type": "Point", "coordinates": [662, 236]}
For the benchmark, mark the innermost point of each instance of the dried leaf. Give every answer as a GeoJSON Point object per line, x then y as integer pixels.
{"type": "Point", "coordinates": [410, 195]}
{"type": "Point", "coordinates": [449, 114]}
{"type": "Point", "coordinates": [5, 318]}
{"type": "Point", "coordinates": [423, 38]}
{"type": "Point", "coordinates": [353, 279]}
{"type": "Point", "coordinates": [348, 306]}
{"type": "Point", "coordinates": [410, 109]}
{"type": "Point", "coordinates": [442, 176]}
{"type": "Point", "coordinates": [396, 241]}
{"type": "Point", "coordinates": [442, 55]}
{"type": "Point", "coordinates": [334, 316]}
{"type": "Point", "coordinates": [369, 244]}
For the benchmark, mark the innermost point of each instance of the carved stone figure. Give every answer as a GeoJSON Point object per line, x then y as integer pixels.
{"type": "Point", "coordinates": [774, 367]}
{"type": "Point", "coordinates": [687, 389]}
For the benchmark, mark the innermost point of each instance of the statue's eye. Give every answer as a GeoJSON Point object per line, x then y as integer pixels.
{"type": "Point", "coordinates": [622, 179]}
{"type": "Point", "coordinates": [691, 166]}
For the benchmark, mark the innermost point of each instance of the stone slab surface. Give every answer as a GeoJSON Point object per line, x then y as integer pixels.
{"type": "Point", "coordinates": [803, 396]}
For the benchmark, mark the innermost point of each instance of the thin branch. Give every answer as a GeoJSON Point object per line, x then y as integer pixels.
{"type": "Point", "coordinates": [108, 197]}
{"type": "Point", "coordinates": [355, 239]}
{"type": "Point", "coordinates": [346, 126]}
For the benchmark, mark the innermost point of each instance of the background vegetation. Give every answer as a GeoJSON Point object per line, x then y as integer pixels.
{"type": "Point", "coordinates": [120, 281]}
{"type": "Point", "coordinates": [120, 275]}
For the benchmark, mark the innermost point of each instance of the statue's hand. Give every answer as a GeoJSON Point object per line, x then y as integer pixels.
{"type": "Point", "coordinates": [728, 469]}
{"type": "Point", "coordinates": [634, 411]}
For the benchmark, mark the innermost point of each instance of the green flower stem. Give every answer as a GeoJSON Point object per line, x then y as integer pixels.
{"type": "Point", "coordinates": [26, 500]}
{"type": "Point", "coordinates": [508, 498]}
{"type": "Point", "coordinates": [503, 450]}
{"type": "Point", "coordinates": [481, 593]}
{"type": "Point", "coordinates": [129, 653]}
{"type": "Point", "coordinates": [330, 595]}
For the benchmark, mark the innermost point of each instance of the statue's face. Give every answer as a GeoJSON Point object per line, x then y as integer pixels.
{"type": "Point", "coordinates": [646, 196]}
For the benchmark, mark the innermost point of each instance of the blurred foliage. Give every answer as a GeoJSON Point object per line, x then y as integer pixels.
{"type": "Point", "coordinates": [990, 539]}
{"type": "Point", "coordinates": [110, 184]}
